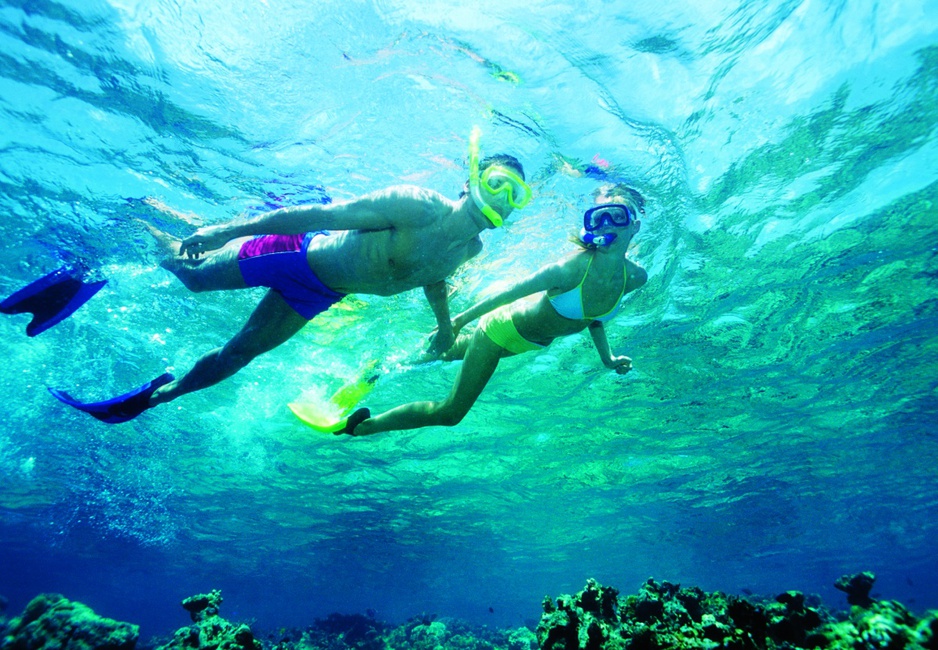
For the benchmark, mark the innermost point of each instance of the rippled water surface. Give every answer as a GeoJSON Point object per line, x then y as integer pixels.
{"type": "Point", "coordinates": [778, 429]}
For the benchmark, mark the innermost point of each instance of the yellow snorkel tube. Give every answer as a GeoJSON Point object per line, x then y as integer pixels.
{"type": "Point", "coordinates": [497, 179]}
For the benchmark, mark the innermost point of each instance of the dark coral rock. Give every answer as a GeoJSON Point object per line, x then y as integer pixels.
{"type": "Point", "coordinates": [648, 609]}
{"type": "Point", "coordinates": [598, 600]}
{"type": "Point", "coordinates": [791, 621]}
{"type": "Point", "coordinates": [596, 636]}
{"type": "Point", "coordinates": [644, 638]}
{"type": "Point", "coordinates": [358, 631]}
{"type": "Point", "coordinates": [51, 622]}
{"type": "Point", "coordinates": [692, 600]}
{"type": "Point", "coordinates": [794, 600]}
{"type": "Point", "coordinates": [746, 614]}
{"type": "Point", "coordinates": [209, 631]}
{"type": "Point", "coordinates": [927, 632]}
{"type": "Point", "coordinates": [548, 605]}
{"type": "Point", "coordinates": [884, 625]}
{"type": "Point", "coordinates": [202, 606]}
{"type": "Point", "coordinates": [857, 587]}
{"type": "Point", "coordinates": [664, 615]}
{"type": "Point", "coordinates": [558, 630]}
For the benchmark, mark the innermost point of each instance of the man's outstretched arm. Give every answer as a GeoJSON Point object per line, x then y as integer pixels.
{"type": "Point", "coordinates": [378, 211]}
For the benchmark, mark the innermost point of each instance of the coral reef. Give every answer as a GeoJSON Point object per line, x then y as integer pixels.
{"type": "Point", "coordinates": [660, 615]}
{"type": "Point", "coordinates": [51, 622]}
{"type": "Point", "coordinates": [424, 632]}
{"type": "Point", "coordinates": [209, 631]}
{"type": "Point", "coordinates": [663, 615]}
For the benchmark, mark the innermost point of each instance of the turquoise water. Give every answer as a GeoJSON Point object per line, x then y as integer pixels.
{"type": "Point", "coordinates": [779, 428]}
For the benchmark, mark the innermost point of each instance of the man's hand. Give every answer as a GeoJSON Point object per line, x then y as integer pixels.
{"type": "Point", "coordinates": [440, 342]}
{"type": "Point", "coordinates": [205, 239]}
{"type": "Point", "coordinates": [620, 364]}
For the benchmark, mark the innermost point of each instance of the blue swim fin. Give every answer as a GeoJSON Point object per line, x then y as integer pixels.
{"type": "Point", "coordinates": [117, 409]}
{"type": "Point", "coordinates": [51, 299]}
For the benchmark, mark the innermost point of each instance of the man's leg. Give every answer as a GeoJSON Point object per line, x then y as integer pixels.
{"type": "Point", "coordinates": [214, 271]}
{"type": "Point", "coordinates": [272, 323]}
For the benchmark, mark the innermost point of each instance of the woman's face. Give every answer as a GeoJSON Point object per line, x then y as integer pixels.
{"type": "Point", "coordinates": [637, 210]}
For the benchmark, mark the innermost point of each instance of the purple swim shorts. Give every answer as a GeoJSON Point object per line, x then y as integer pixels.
{"type": "Point", "coordinates": [279, 262]}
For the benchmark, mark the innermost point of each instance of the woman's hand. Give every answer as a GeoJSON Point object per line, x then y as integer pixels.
{"type": "Point", "coordinates": [205, 239]}
{"type": "Point", "coordinates": [620, 364]}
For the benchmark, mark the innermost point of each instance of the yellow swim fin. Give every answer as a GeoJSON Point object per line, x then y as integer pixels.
{"type": "Point", "coordinates": [319, 417]}
{"type": "Point", "coordinates": [348, 397]}
{"type": "Point", "coordinates": [331, 416]}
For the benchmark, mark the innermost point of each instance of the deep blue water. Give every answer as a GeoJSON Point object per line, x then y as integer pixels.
{"type": "Point", "coordinates": [777, 432]}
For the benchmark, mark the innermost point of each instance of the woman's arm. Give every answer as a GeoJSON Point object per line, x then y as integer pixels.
{"type": "Point", "coordinates": [620, 364]}
{"type": "Point", "coordinates": [637, 275]}
{"type": "Point", "coordinates": [545, 278]}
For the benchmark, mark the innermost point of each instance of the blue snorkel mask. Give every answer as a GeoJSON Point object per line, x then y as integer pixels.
{"type": "Point", "coordinates": [495, 180]}
{"type": "Point", "coordinates": [617, 215]}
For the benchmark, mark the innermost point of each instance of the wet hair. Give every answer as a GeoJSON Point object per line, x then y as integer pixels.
{"type": "Point", "coordinates": [574, 238]}
{"type": "Point", "coordinates": [502, 159]}
{"type": "Point", "coordinates": [623, 191]}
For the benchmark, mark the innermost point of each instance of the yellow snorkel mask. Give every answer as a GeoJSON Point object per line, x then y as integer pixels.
{"type": "Point", "coordinates": [495, 180]}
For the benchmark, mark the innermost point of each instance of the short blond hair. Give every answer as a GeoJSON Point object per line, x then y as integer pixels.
{"type": "Point", "coordinates": [620, 190]}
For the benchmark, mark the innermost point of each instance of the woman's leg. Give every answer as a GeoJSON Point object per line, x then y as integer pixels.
{"type": "Point", "coordinates": [459, 348]}
{"type": "Point", "coordinates": [482, 358]}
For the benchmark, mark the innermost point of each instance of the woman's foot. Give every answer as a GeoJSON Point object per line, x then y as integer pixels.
{"type": "Point", "coordinates": [353, 421]}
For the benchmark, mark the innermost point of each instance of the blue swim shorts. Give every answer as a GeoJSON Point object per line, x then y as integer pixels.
{"type": "Point", "coordinates": [279, 263]}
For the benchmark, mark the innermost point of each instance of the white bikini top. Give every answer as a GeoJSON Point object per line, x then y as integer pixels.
{"type": "Point", "coordinates": [570, 304]}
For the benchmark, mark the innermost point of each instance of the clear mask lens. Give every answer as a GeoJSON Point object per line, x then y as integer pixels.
{"type": "Point", "coordinates": [612, 214]}
{"type": "Point", "coordinates": [498, 180]}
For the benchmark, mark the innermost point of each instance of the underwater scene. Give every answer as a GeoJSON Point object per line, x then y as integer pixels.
{"type": "Point", "coordinates": [763, 474]}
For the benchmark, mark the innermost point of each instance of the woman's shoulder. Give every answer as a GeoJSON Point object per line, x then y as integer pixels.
{"type": "Point", "coordinates": [569, 270]}
{"type": "Point", "coordinates": [637, 275]}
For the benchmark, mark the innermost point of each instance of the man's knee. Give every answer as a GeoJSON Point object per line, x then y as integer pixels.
{"type": "Point", "coordinates": [209, 273]}
{"type": "Point", "coordinates": [236, 354]}
{"type": "Point", "coordinates": [185, 273]}
{"type": "Point", "coordinates": [192, 282]}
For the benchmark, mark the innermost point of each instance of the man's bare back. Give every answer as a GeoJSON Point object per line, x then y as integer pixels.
{"type": "Point", "coordinates": [416, 252]}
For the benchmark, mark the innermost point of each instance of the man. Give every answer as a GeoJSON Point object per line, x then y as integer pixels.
{"type": "Point", "coordinates": [383, 243]}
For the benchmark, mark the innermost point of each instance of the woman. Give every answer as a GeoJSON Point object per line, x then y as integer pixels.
{"type": "Point", "coordinates": [582, 290]}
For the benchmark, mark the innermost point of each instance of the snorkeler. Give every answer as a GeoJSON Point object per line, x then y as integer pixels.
{"type": "Point", "coordinates": [582, 290]}
{"type": "Point", "coordinates": [312, 256]}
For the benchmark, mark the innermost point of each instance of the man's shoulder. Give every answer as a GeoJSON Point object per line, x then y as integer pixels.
{"type": "Point", "coordinates": [406, 193]}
